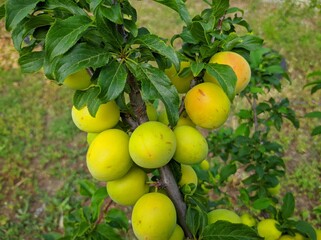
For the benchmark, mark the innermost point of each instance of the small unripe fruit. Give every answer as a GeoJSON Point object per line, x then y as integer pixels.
{"type": "Point", "coordinates": [205, 165]}
{"type": "Point", "coordinates": [106, 117]}
{"type": "Point", "coordinates": [191, 146]}
{"type": "Point", "coordinates": [268, 230]}
{"type": "Point", "coordinates": [207, 105]}
{"type": "Point", "coordinates": [153, 217]}
{"type": "Point", "coordinates": [239, 65]}
{"type": "Point", "coordinates": [152, 145]}
{"type": "Point", "coordinates": [275, 190]}
{"type": "Point", "coordinates": [108, 156]}
{"type": "Point", "coordinates": [129, 188]}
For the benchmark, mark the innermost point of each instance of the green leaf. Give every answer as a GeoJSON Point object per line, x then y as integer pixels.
{"type": "Point", "coordinates": [262, 203]}
{"type": "Point", "coordinates": [178, 6]}
{"type": "Point", "coordinates": [117, 219]}
{"type": "Point", "coordinates": [31, 62]}
{"type": "Point", "coordinates": [156, 85]}
{"type": "Point", "coordinates": [198, 31]}
{"type": "Point", "coordinates": [225, 76]}
{"type": "Point", "coordinates": [63, 34]}
{"type": "Point", "coordinates": [223, 230]}
{"type": "Point", "coordinates": [196, 219]}
{"type": "Point", "coordinates": [227, 171]}
{"type": "Point", "coordinates": [107, 232]}
{"type": "Point", "coordinates": [112, 12]}
{"type": "Point", "coordinates": [316, 131]}
{"type": "Point", "coordinates": [88, 98]}
{"type": "Point", "coordinates": [307, 229]}
{"type": "Point", "coordinates": [87, 188]}
{"type": "Point", "coordinates": [108, 30]}
{"type": "Point", "coordinates": [250, 42]}
{"type": "Point", "coordinates": [67, 5]}
{"type": "Point", "coordinates": [197, 67]}
{"type": "Point", "coordinates": [316, 114]}
{"type": "Point", "coordinates": [156, 44]}
{"type": "Point", "coordinates": [17, 10]}
{"type": "Point", "coordinates": [288, 206]}
{"type": "Point", "coordinates": [97, 200]}
{"type": "Point", "coordinates": [220, 7]}
{"type": "Point", "coordinates": [2, 11]}
{"type": "Point", "coordinates": [79, 57]}
{"type": "Point", "coordinates": [112, 80]}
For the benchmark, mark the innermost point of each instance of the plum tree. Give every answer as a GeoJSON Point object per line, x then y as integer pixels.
{"type": "Point", "coordinates": [116, 106]}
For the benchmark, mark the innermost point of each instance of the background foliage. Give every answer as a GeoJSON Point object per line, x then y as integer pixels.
{"type": "Point", "coordinates": [43, 154]}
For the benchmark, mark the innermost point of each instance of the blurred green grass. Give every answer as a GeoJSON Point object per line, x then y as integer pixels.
{"type": "Point", "coordinates": [43, 155]}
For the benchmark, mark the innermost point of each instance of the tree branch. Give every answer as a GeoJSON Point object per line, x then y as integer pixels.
{"type": "Point", "coordinates": [168, 181]}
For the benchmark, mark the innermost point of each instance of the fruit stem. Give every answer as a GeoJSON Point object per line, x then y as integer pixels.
{"type": "Point", "coordinates": [168, 181]}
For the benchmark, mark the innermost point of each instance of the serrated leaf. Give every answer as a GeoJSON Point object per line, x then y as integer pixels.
{"type": "Point", "coordinates": [250, 42]}
{"type": "Point", "coordinates": [316, 114]}
{"type": "Point", "coordinates": [307, 229]}
{"type": "Point", "coordinates": [197, 67]}
{"type": "Point", "coordinates": [156, 44]}
{"type": "Point", "coordinates": [220, 7]}
{"type": "Point", "coordinates": [225, 76]}
{"type": "Point", "coordinates": [223, 230]}
{"type": "Point", "coordinates": [108, 30]}
{"type": "Point", "coordinates": [288, 206]}
{"type": "Point", "coordinates": [117, 218]}
{"type": "Point", "coordinates": [87, 188]}
{"type": "Point", "coordinates": [79, 57]}
{"type": "Point", "coordinates": [2, 11]}
{"type": "Point", "coordinates": [112, 12]}
{"type": "Point", "coordinates": [97, 200]}
{"type": "Point", "coordinates": [156, 85]}
{"type": "Point", "coordinates": [31, 62]}
{"type": "Point", "coordinates": [107, 232]}
{"type": "Point", "coordinates": [112, 80]}
{"type": "Point", "coordinates": [178, 6]}
{"type": "Point", "coordinates": [67, 5]}
{"type": "Point", "coordinates": [63, 35]}
{"type": "Point", "coordinates": [88, 98]}
{"type": "Point", "coordinates": [227, 171]}
{"type": "Point", "coordinates": [17, 10]}
{"type": "Point", "coordinates": [196, 219]}
{"type": "Point", "coordinates": [198, 31]}
{"type": "Point", "coordinates": [262, 203]}
{"type": "Point", "coordinates": [316, 131]}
